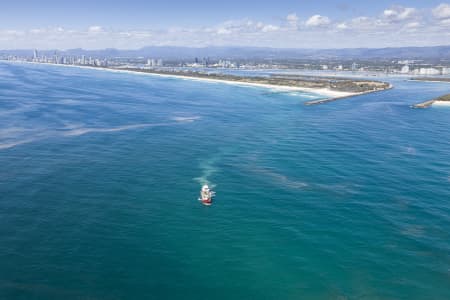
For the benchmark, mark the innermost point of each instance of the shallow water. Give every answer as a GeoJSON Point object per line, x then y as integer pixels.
{"type": "Point", "coordinates": [100, 174]}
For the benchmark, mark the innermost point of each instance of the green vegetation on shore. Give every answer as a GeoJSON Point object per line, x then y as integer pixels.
{"type": "Point", "coordinates": [430, 102]}
{"type": "Point", "coordinates": [443, 98]}
{"type": "Point", "coordinates": [314, 82]}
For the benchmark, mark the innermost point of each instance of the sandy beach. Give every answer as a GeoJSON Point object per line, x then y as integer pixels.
{"type": "Point", "coordinates": [441, 103]}
{"type": "Point", "coordinates": [322, 92]}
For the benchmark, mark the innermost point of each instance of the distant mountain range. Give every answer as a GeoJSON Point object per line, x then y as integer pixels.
{"type": "Point", "coordinates": [167, 52]}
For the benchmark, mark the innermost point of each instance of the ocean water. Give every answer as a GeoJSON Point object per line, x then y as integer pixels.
{"type": "Point", "coordinates": [100, 174]}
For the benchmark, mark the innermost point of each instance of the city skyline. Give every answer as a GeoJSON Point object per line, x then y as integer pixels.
{"type": "Point", "coordinates": [285, 24]}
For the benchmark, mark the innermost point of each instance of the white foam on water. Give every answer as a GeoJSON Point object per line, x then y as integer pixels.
{"type": "Point", "coordinates": [16, 143]}
{"type": "Point", "coordinates": [409, 150]}
{"type": "Point", "coordinates": [208, 169]}
{"type": "Point", "coordinates": [186, 119]}
{"type": "Point", "coordinates": [85, 130]}
{"type": "Point", "coordinates": [14, 136]}
{"type": "Point", "coordinates": [11, 131]}
{"type": "Point", "coordinates": [75, 129]}
{"type": "Point", "coordinates": [71, 102]}
{"type": "Point", "coordinates": [304, 95]}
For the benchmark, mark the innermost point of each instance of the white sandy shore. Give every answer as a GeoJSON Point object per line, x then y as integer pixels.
{"type": "Point", "coordinates": [441, 103]}
{"type": "Point", "coordinates": [323, 92]}
{"type": "Point", "coordinates": [319, 91]}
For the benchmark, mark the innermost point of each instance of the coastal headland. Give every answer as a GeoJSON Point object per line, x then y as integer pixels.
{"type": "Point", "coordinates": [332, 87]}
{"type": "Point", "coordinates": [444, 100]}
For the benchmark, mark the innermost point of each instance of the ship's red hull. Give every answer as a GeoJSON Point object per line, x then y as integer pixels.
{"type": "Point", "coordinates": [207, 202]}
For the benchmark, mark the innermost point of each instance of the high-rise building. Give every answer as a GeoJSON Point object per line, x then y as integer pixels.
{"type": "Point", "coordinates": [35, 55]}
{"type": "Point", "coordinates": [152, 62]}
{"type": "Point", "coordinates": [405, 69]}
{"type": "Point", "coordinates": [427, 71]}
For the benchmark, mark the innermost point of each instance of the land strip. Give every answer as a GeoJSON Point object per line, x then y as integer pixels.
{"type": "Point", "coordinates": [445, 99]}
{"type": "Point", "coordinates": [432, 79]}
{"type": "Point", "coordinates": [335, 88]}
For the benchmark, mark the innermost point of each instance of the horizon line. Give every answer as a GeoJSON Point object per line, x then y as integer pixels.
{"type": "Point", "coordinates": [211, 46]}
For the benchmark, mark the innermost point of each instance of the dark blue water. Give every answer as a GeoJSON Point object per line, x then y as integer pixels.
{"type": "Point", "coordinates": [100, 174]}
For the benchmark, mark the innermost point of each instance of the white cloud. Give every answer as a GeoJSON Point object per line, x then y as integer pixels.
{"type": "Point", "coordinates": [362, 23]}
{"type": "Point", "coordinates": [395, 26]}
{"type": "Point", "coordinates": [292, 19]}
{"type": "Point", "coordinates": [342, 26]}
{"type": "Point", "coordinates": [413, 25]}
{"type": "Point", "coordinates": [442, 11]}
{"type": "Point", "coordinates": [244, 26]}
{"type": "Point", "coordinates": [388, 21]}
{"type": "Point", "coordinates": [95, 29]}
{"type": "Point", "coordinates": [399, 13]}
{"type": "Point", "coordinates": [12, 32]}
{"type": "Point", "coordinates": [317, 20]}
{"type": "Point", "coordinates": [269, 28]}
{"type": "Point", "coordinates": [137, 34]}
{"type": "Point", "coordinates": [223, 31]}
{"type": "Point", "coordinates": [37, 30]}
{"type": "Point", "coordinates": [445, 22]}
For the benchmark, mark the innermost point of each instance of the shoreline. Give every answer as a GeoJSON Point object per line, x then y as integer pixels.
{"type": "Point", "coordinates": [322, 101]}
{"type": "Point", "coordinates": [319, 92]}
{"type": "Point", "coordinates": [328, 94]}
{"type": "Point", "coordinates": [430, 103]}
{"type": "Point", "coordinates": [443, 100]}
{"type": "Point", "coordinates": [431, 79]}
{"type": "Point", "coordinates": [439, 101]}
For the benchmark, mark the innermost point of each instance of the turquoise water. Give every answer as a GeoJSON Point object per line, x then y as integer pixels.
{"type": "Point", "coordinates": [100, 174]}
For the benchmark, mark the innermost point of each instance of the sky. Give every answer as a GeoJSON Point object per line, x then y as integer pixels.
{"type": "Point", "coordinates": [132, 24]}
